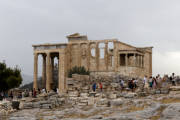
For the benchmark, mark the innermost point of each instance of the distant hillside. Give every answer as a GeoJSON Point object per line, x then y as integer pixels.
{"type": "Point", "coordinates": [26, 79]}
{"type": "Point", "coordinates": [30, 85]}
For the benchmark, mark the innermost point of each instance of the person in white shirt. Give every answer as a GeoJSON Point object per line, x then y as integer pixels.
{"type": "Point", "coordinates": [145, 82]}
{"type": "Point", "coordinates": [145, 79]}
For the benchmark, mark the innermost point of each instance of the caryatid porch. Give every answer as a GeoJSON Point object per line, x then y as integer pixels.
{"type": "Point", "coordinates": [48, 53]}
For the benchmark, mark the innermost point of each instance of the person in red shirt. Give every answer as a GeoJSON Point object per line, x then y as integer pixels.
{"type": "Point", "coordinates": [100, 86]}
{"type": "Point", "coordinates": [34, 93]}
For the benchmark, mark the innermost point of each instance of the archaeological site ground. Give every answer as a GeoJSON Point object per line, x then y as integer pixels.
{"type": "Point", "coordinates": [102, 91]}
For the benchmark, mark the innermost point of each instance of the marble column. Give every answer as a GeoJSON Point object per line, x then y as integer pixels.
{"type": "Point", "coordinates": [44, 71]}
{"type": "Point", "coordinates": [150, 67]}
{"type": "Point", "coordinates": [97, 56]}
{"type": "Point", "coordinates": [134, 59]}
{"type": "Point", "coordinates": [106, 56]}
{"type": "Point", "coordinates": [48, 72]}
{"type": "Point", "coordinates": [138, 61]}
{"type": "Point", "coordinates": [119, 60]}
{"type": "Point", "coordinates": [35, 71]}
{"type": "Point", "coordinates": [115, 54]}
{"type": "Point", "coordinates": [79, 55]}
{"type": "Point", "coordinates": [88, 56]}
{"type": "Point", "coordinates": [142, 62]}
{"type": "Point", "coordinates": [126, 59]}
{"type": "Point", "coordinates": [62, 72]}
{"type": "Point", "coordinates": [52, 68]}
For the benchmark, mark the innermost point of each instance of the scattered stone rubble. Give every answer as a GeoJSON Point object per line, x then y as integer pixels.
{"type": "Point", "coordinates": [81, 102]}
{"type": "Point", "coordinates": [43, 101]}
{"type": "Point", "coordinates": [6, 108]}
{"type": "Point", "coordinates": [154, 107]}
{"type": "Point", "coordinates": [80, 90]}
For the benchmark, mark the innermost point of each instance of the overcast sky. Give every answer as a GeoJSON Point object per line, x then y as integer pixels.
{"type": "Point", "coordinates": [136, 22]}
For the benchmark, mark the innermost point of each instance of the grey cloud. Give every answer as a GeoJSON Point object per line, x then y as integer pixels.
{"type": "Point", "coordinates": [137, 22]}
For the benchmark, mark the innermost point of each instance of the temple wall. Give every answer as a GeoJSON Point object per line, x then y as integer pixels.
{"type": "Point", "coordinates": [98, 56]}
{"type": "Point", "coordinates": [148, 63]}
{"type": "Point", "coordinates": [88, 54]}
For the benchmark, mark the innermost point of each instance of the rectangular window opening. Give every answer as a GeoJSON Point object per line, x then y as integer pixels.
{"type": "Point", "coordinates": [122, 59]}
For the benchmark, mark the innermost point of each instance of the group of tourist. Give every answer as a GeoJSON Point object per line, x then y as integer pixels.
{"type": "Point", "coordinates": [95, 86]}
{"type": "Point", "coordinates": [8, 95]}
{"type": "Point", "coordinates": [157, 82]}
{"type": "Point", "coordinates": [153, 82]}
{"type": "Point", "coordinates": [19, 94]}
{"type": "Point", "coordinates": [132, 84]}
{"type": "Point", "coordinates": [150, 83]}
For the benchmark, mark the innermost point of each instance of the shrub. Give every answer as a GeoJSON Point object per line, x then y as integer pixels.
{"type": "Point", "coordinates": [9, 77]}
{"type": "Point", "coordinates": [78, 70]}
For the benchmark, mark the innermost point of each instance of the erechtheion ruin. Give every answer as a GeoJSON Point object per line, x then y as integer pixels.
{"type": "Point", "coordinates": [101, 56]}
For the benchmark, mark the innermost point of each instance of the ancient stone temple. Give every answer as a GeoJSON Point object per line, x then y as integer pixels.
{"type": "Point", "coordinates": [98, 56]}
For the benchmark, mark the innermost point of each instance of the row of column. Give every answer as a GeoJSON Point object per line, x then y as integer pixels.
{"type": "Point", "coordinates": [138, 60]}
{"type": "Point", "coordinates": [47, 71]}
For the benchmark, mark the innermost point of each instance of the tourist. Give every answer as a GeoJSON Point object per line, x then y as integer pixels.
{"type": "Point", "coordinates": [131, 85]}
{"type": "Point", "coordinates": [173, 79]}
{"type": "Point", "coordinates": [122, 85]}
{"type": "Point", "coordinates": [19, 95]}
{"type": "Point", "coordinates": [135, 81]}
{"type": "Point", "coordinates": [39, 91]}
{"type": "Point", "coordinates": [158, 76]}
{"type": "Point", "coordinates": [159, 81]}
{"type": "Point", "coordinates": [100, 86]}
{"type": "Point", "coordinates": [1, 97]}
{"type": "Point", "coordinates": [145, 82]}
{"type": "Point", "coordinates": [43, 90]}
{"type": "Point", "coordinates": [57, 90]}
{"type": "Point", "coordinates": [164, 81]}
{"type": "Point", "coordinates": [154, 81]}
{"type": "Point", "coordinates": [11, 95]}
{"type": "Point", "coordinates": [26, 93]}
{"type": "Point", "coordinates": [6, 95]}
{"type": "Point", "coordinates": [34, 93]}
{"type": "Point", "coordinates": [94, 87]}
{"type": "Point", "coordinates": [150, 82]}
{"type": "Point", "coordinates": [23, 94]}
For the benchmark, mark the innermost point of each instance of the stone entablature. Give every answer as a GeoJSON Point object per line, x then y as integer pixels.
{"type": "Point", "coordinates": [109, 55]}
{"type": "Point", "coordinates": [49, 46]}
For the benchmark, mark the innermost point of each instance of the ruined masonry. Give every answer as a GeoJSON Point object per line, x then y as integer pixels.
{"type": "Point", "coordinates": [98, 56]}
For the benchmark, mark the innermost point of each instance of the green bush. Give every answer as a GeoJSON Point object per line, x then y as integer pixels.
{"type": "Point", "coordinates": [9, 77]}
{"type": "Point", "coordinates": [78, 70]}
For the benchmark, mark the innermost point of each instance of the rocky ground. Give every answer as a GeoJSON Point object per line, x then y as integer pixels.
{"type": "Point", "coordinates": [152, 107]}
{"type": "Point", "coordinates": [80, 103]}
